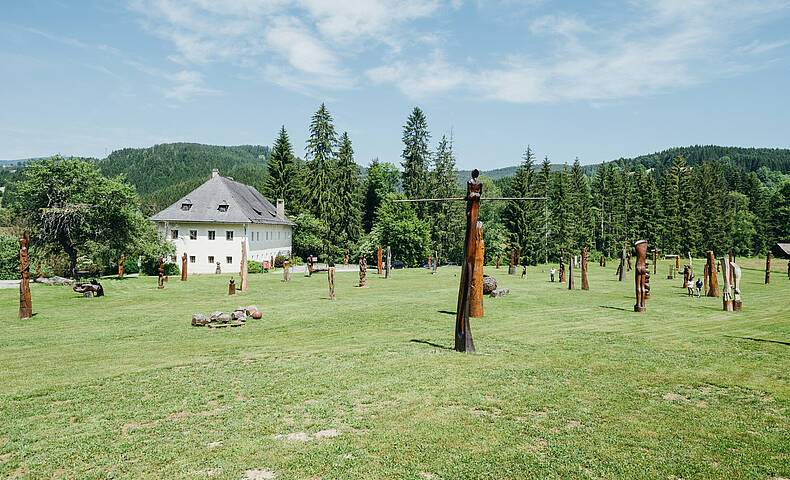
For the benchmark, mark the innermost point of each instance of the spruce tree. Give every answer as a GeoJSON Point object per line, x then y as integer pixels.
{"type": "Point", "coordinates": [348, 195]}
{"type": "Point", "coordinates": [446, 218]}
{"type": "Point", "coordinates": [320, 153]}
{"type": "Point", "coordinates": [416, 157]}
{"type": "Point", "coordinates": [581, 213]}
{"type": "Point", "coordinates": [524, 217]}
{"type": "Point", "coordinates": [282, 177]}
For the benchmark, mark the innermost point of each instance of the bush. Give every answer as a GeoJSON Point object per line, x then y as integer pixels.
{"type": "Point", "coordinates": [9, 258]}
{"type": "Point", "coordinates": [279, 261]}
{"type": "Point", "coordinates": [254, 267]}
{"type": "Point", "coordinates": [151, 267]}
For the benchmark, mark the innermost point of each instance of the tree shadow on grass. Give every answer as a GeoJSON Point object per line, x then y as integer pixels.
{"type": "Point", "coordinates": [614, 308]}
{"type": "Point", "coordinates": [436, 345]}
{"type": "Point", "coordinates": [447, 312]}
{"type": "Point", "coordinates": [759, 340]}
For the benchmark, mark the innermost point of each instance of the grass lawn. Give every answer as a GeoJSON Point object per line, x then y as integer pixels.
{"type": "Point", "coordinates": [566, 384]}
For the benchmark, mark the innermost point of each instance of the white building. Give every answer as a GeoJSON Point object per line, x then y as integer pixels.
{"type": "Point", "coordinates": [211, 221]}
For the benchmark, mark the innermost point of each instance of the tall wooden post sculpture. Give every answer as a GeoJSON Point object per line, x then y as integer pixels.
{"type": "Point", "coordinates": [726, 290]}
{"type": "Point", "coordinates": [463, 331]}
{"type": "Point", "coordinates": [686, 272]}
{"type": "Point", "coordinates": [363, 272]}
{"type": "Point", "coordinates": [518, 258]}
{"type": "Point", "coordinates": [38, 269]}
{"type": "Point", "coordinates": [713, 283]}
{"type": "Point", "coordinates": [788, 269]}
{"type": "Point", "coordinates": [232, 286]}
{"type": "Point", "coordinates": [571, 285]}
{"type": "Point", "coordinates": [736, 288]}
{"type": "Point", "coordinates": [512, 268]}
{"type": "Point", "coordinates": [184, 267]}
{"type": "Point", "coordinates": [330, 275]}
{"type": "Point", "coordinates": [435, 261]}
{"type": "Point", "coordinates": [430, 262]}
{"type": "Point", "coordinates": [629, 262]}
{"type": "Point", "coordinates": [476, 295]}
{"type": "Point", "coordinates": [562, 265]}
{"type": "Point", "coordinates": [705, 276]}
{"type": "Point", "coordinates": [585, 284]}
{"type": "Point", "coordinates": [379, 265]}
{"type": "Point", "coordinates": [218, 270]}
{"type": "Point", "coordinates": [621, 278]}
{"type": "Point", "coordinates": [161, 283]}
{"type": "Point", "coordinates": [25, 302]}
{"type": "Point", "coordinates": [286, 276]}
{"type": "Point", "coordinates": [655, 252]}
{"type": "Point", "coordinates": [243, 266]}
{"type": "Point", "coordinates": [120, 266]}
{"type": "Point", "coordinates": [768, 268]}
{"type": "Point", "coordinates": [388, 265]}
{"type": "Point", "coordinates": [641, 276]}
{"type": "Point", "coordinates": [499, 256]}
{"type": "Point", "coordinates": [345, 257]}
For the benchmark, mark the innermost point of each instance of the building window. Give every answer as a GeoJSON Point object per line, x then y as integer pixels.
{"type": "Point", "coordinates": [211, 259]}
{"type": "Point", "coordinates": [278, 235]}
{"type": "Point", "coordinates": [228, 259]}
{"type": "Point", "coordinates": [193, 234]}
{"type": "Point", "coordinates": [174, 234]}
{"type": "Point", "coordinates": [229, 235]}
{"type": "Point", "coordinates": [186, 206]}
{"type": "Point", "coordinates": [212, 234]}
{"type": "Point", "coordinates": [223, 207]}
{"type": "Point", "coordinates": [191, 259]}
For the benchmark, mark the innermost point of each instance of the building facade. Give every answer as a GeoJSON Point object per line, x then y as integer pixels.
{"type": "Point", "coordinates": [210, 223]}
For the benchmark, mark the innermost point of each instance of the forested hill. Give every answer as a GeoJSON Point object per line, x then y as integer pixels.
{"type": "Point", "coordinates": [748, 159]}
{"type": "Point", "coordinates": [165, 172]}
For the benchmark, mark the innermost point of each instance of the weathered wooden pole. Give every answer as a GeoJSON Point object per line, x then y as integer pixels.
{"type": "Point", "coordinates": [25, 302]}
{"type": "Point", "coordinates": [571, 285]}
{"type": "Point", "coordinates": [388, 266]}
{"type": "Point", "coordinates": [655, 252]}
{"type": "Point", "coordinates": [363, 272]}
{"type": "Point", "coordinates": [511, 269]}
{"type": "Point", "coordinates": [621, 277]}
{"type": "Point", "coordinates": [737, 305]}
{"type": "Point", "coordinates": [232, 286]}
{"type": "Point", "coordinates": [713, 283]}
{"type": "Point", "coordinates": [585, 284]}
{"type": "Point", "coordinates": [345, 257]}
{"type": "Point", "coordinates": [498, 256]}
{"type": "Point", "coordinates": [184, 267]}
{"type": "Point", "coordinates": [161, 283]}
{"type": "Point", "coordinates": [120, 266]}
{"type": "Point", "coordinates": [641, 276]}
{"type": "Point", "coordinates": [243, 266]}
{"type": "Point", "coordinates": [768, 268]}
{"type": "Point", "coordinates": [629, 262]}
{"type": "Point", "coordinates": [286, 277]}
{"type": "Point", "coordinates": [430, 263]}
{"type": "Point", "coordinates": [726, 291]}
{"type": "Point", "coordinates": [379, 264]}
{"type": "Point", "coordinates": [562, 265]}
{"type": "Point", "coordinates": [330, 273]}
{"type": "Point", "coordinates": [463, 330]}
{"type": "Point", "coordinates": [476, 297]}
{"type": "Point", "coordinates": [518, 258]}
{"type": "Point", "coordinates": [435, 261]}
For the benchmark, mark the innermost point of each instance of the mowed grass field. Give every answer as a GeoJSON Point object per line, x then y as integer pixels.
{"type": "Point", "coordinates": [565, 384]}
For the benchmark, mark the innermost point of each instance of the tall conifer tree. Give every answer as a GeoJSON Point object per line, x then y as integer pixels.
{"type": "Point", "coordinates": [348, 195]}
{"type": "Point", "coordinates": [320, 153]}
{"type": "Point", "coordinates": [416, 157]}
{"type": "Point", "coordinates": [282, 177]}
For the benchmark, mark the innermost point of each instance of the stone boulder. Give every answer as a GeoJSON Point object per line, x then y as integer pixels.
{"type": "Point", "coordinates": [499, 293]}
{"type": "Point", "coordinates": [489, 284]}
{"type": "Point", "coordinates": [239, 316]}
{"type": "Point", "coordinates": [214, 316]}
{"type": "Point", "coordinates": [252, 309]}
{"type": "Point", "coordinates": [257, 315]}
{"type": "Point", "coordinates": [199, 320]}
{"type": "Point", "coordinates": [224, 318]}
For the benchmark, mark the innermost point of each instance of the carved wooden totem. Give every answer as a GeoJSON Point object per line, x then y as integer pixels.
{"type": "Point", "coordinates": [518, 258]}
{"type": "Point", "coordinates": [380, 264]}
{"type": "Point", "coordinates": [585, 284]}
{"type": "Point", "coordinates": [641, 276]}
{"type": "Point", "coordinates": [38, 269]}
{"type": "Point", "coordinates": [499, 256]}
{"type": "Point", "coordinates": [435, 261]}
{"type": "Point", "coordinates": [345, 257]}
{"type": "Point", "coordinates": [25, 302]}
{"type": "Point", "coordinates": [621, 268]}
{"type": "Point", "coordinates": [286, 276]}
{"type": "Point", "coordinates": [686, 274]}
{"type": "Point", "coordinates": [562, 266]}
{"type": "Point", "coordinates": [184, 267]}
{"type": "Point", "coordinates": [512, 268]}
{"type": "Point", "coordinates": [736, 288]}
{"type": "Point", "coordinates": [629, 262]}
{"type": "Point", "coordinates": [218, 269]}
{"type": "Point", "coordinates": [161, 283]}
{"type": "Point", "coordinates": [463, 331]}
{"type": "Point", "coordinates": [768, 268]}
{"type": "Point", "coordinates": [232, 286]}
{"type": "Point", "coordinates": [388, 265]}
{"type": "Point", "coordinates": [571, 285]}
{"type": "Point", "coordinates": [243, 273]}
{"type": "Point", "coordinates": [363, 272]}
{"type": "Point", "coordinates": [713, 283]}
{"type": "Point", "coordinates": [726, 290]}
{"type": "Point", "coordinates": [330, 273]}
{"type": "Point", "coordinates": [120, 266]}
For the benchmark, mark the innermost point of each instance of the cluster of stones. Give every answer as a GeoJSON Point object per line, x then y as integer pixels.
{"type": "Point", "coordinates": [235, 319]}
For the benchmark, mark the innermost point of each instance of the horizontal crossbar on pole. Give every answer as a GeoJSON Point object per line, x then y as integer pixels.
{"type": "Point", "coordinates": [462, 198]}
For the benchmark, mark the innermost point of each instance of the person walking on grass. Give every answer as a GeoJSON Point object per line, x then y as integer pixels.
{"type": "Point", "coordinates": [699, 287]}
{"type": "Point", "coordinates": [551, 272]}
{"type": "Point", "coordinates": [690, 286]}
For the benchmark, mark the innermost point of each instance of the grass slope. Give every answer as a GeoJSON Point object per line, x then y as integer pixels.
{"type": "Point", "coordinates": [567, 384]}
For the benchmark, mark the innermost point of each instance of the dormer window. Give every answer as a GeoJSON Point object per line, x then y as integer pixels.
{"type": "Point", "coordinates": [223, 207]}
{"type": "Point", "coordinates": [186, 205]}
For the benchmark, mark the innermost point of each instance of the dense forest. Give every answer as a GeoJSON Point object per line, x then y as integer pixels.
{"type": "Point", "coordinates": [686, 199]}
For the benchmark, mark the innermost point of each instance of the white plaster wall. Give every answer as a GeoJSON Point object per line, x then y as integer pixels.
{"type": "Point", "coordinates": [263, 242]}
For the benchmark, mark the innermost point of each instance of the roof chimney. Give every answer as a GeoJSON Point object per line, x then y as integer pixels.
{"type": "Point", "coordinates": [281, 208]}
{"type": "Point", "coordinates": [215, 173]}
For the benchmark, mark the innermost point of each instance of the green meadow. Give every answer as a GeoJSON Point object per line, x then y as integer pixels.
{"type": "Point", "coordinates": [565, 384]}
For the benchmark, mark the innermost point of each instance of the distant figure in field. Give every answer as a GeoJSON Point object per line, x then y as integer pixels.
{"type": "Point", "coordinates": [552, 272]}
{"type": "Point", "coordinates": [690, 286]}
{"type": "Point", "coordinates": [699, 287]}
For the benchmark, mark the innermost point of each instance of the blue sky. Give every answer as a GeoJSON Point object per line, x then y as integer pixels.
{"type": "Point", "coordinates": [593, 79]}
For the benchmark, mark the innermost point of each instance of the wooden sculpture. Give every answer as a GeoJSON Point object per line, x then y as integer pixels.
{"type": "Point", "coordinates": [345, 257]}
{"type": "Point", "coordinates": [38, 269]}
{"type": "Point", "coordinates": [726, 290]}
{"type": "Point", "coordinates": [25, 302]}
{"type": "Point", "coordinates": [330, 273]}
{"type": "Point", "coordinates": [388, 265]}
{"type": "Point", "coordinates": [499, 256]}
{"type": "Point", "coordinates": [120, 266]}
{"type": "Point", "coordinates": [585, 284]}
{"type": "Point", "coordinates": [621, 268]}
{"type": "Point", "coordinates": [562, 266]}
{"type": "Point", "coordinates": [363, 272]}
{"type": "Point", "coordinates": [768, 268]}
{"type": "Point", "coordinates": [435, 261]}
{"type": "Point", "coordinates": [629, 261]}
{"type": "Point", "coordinates": [571, 285]}
{"type": "Point", "coordinates": [736, 288]}
{"type": "Point", "coordinates": [232, 286]}
{"type": "Point", "coordinates": [641, 276]}
{"type": "Point", "coordinates": [286, 276]}
{"type": "Point", "coordinates": [512, 268]}
{"type": "Point", "coordinates": [686, 275]}
{"type": "Point", "coordinates": [379, 265]}
{"type": "Point", "coordinates": [161, 283]}
{"type": "Point", "coordinates": [243, 273]}
{"type": "Point", "coordinates": [218, 269]}
{"type": "Point", "coordinates": [463, 331]}
{"type": "Point", "coordinates": [184, 267]}
{"type": "Point", "coordinates": [518, 258]}
{"type": "Point", "coordinates": [713, 283]}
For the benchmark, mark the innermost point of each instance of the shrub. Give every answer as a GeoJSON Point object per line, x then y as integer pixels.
{"type": "Point", "coordinates": [254, 267]}
{"type": "Point", "coordinates": [9, 258]}
{"type": "Point", "coordinates": [279, 261]}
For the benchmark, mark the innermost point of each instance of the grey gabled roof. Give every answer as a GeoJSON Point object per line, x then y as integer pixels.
{"type": "Point", "coordinates": [245, 205]}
